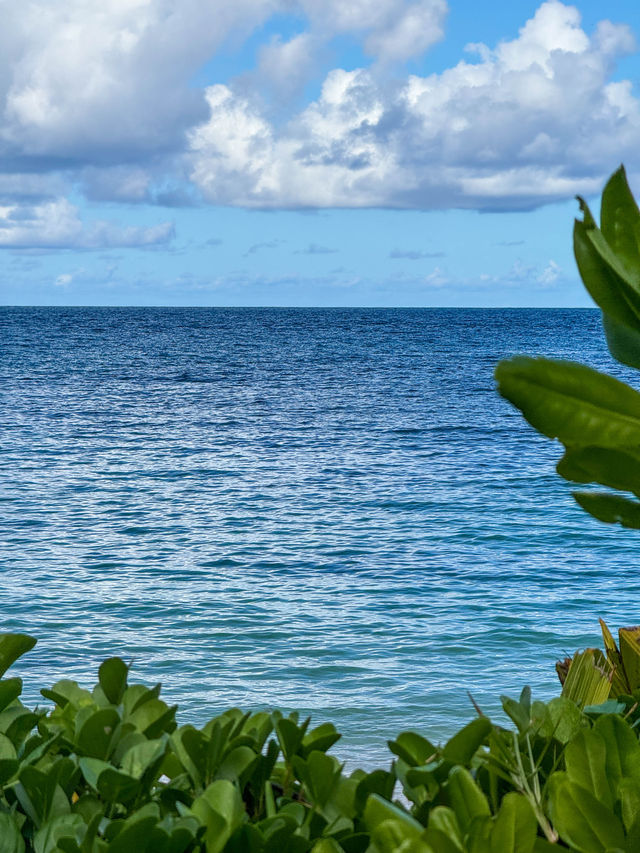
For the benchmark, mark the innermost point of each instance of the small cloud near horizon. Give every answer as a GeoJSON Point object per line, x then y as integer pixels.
{"type": "Point", "coordinates": [256, 247]}
{"type": "Point", "coordinates": [315, 249]}
{"type": "Point", "coordinates": [413, 254]}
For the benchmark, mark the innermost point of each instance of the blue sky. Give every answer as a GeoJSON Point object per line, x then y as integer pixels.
{"type": "Point", "coordinates": [307, 152]}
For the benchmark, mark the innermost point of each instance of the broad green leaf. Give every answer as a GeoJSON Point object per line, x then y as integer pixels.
{"type": "Point", "coordinates": [95, 736]}
{"type": "Point", "coordinates": [144, 757]}
{"type": "Point", "coordinates": [113, 679]}
{"type": "Point", "coordinates": [393, 837]}
{"type": "Point", "coordinates": [378, 811]}
{"type": "Point", "coordinates": [13, 646]}
{"type": "Point", "coordinates": [586, 763]}
{"type": "Point", "coordinates": [622, 748]}
{"type": "Point", "coordinates": [467, 800]}
{"type": "Point", "coordinates": [238, 765]}
{"type": "Point", "coordinates": [290, 736]}
{"type": "Point", "coordinates": [461, 748]}
{"type": "Point", "coordinates": [377, 782]}
{"type": "Point", "coordinates": [560, 719]}
{"type": "Point", "coordinates": [412, 748]}
{"type": "Point", "coordinates": [321, 739]}
{"type": "Point", "coordinates": [620, 222]}
{"type": "Point", "coordinates": [136, 695]}
{"type": "Point", "coordinates": [136, 831]}
{"type": "Point", "coordinates": [444, 833]}
{"type": "Point", "coordinates": [53, 831]}
{"type": "Point", "coordinates": [153, 718]}
{"type": "Point", "coordinates": [319, 775]}
{"type": "Point", "coordinates": [622, 340]}
{"type": "Point", "coordinates": [40, 796]}
{"type": "Point", "coordinates": [11, 840]}
{"type": "Point", "coordinates": [629, 796]}
{"type": "Point", "coordinates": [10, 689]}
{"type": "Point", "coordinates": [603, 273]}
{"type": "Point", "coordinates": [583, 822]}
{"type": "Point", "coordinates": [221, 809]}
{"type": "Point", "coordinates": [68, 692]}
{"type": "Point", "coordinates": [516, 827]}
{"type": "Point", "coordinates": [8, 759]}
{"type": "Point", "coordinates": [572, 402]}
{"type": "Point", "coordinates": [607, 466]}
{"type": "Point", "coordinates": [612, 509]}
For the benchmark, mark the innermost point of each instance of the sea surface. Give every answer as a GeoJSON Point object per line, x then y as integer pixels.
{"type": "Point", "coordinates": [324, 510]}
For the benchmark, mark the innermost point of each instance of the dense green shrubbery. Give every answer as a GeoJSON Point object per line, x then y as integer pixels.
{"type": "Point", "coordinates": [110, 771]}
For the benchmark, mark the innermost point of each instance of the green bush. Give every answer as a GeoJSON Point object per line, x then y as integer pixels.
{"type": "Point", "coordinates": [109, 770]}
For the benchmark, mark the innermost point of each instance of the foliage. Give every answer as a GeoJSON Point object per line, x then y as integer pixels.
{"type": "Point", "coordinates": [111, 771]}
{"type": "Point", "coordinates": [596, 417]}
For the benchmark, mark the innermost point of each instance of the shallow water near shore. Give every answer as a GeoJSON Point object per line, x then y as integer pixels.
{"type": "Point", "coordinates": [328, 510]}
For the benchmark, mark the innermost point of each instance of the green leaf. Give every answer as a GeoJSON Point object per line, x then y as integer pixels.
{"type": "Point", "coordinates": [615, 468]}
{"type": "Point", "coordinates": [412, 748]}
{"type": "Point", "coordinates": [377, 782]}
{"type": "Point", "coordinates": [583, 822]}
{"type": "Point", "coordinates": [13, 646]}
{"type": "Point", "coordinates": [153, 718]}
{"type": "Point", "coordinates": [586, 763]}
{"type": "Point", "coordinates": [8, 759]}
{"type": "Point", "coordinates": [69, 826]}
{"type": "Point", "coordinates": [113, 679]}
{"type": "Point", "coordinates": [378, 811]}
{"type": "Point", "coordinates": [237, 765]}
{"type": "Point", "coordinates": [136, 831]}
{"type": "Point", "coordinates": [612, 509]}
{"type": "Point", "coordinates": [96, 735]}
{"type": "Point", "coordinates": [620, 222]}
{"type": "Point", "coordinates": [10, 836]}
{"type": "Point", "coordinates": [10, 689]}
{"type": "Point", "coordinates": [144, 758]}
{"type": "Point", "coordinates": [603, 272]}
{"type": "Point", "coordinates": [320, 739]}
{"type": "Point", "coordinates": [40, 795]}
{"type": "Point", "coordinates": [467, 800]}
{"type": "Point", "coordinates": [572, 402]}
{"type": "Point", "coordinates": [221, 809]}
{"type": "Point", "coordinates": [290, 736]}
{"type": "Point", "coordinates": [516, 827]}
{"type": "Point", "coordinates": [444, 832]}
{"type": "Point", "coordinates": [622, 748]}
{"type": "Point", "coordinates": [465, 743]}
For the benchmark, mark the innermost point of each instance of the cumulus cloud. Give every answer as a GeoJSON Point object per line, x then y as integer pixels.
{"type": "Point", "coordinates": [535, 120]}
{"type": "Point", "coordinates": [57, 225]}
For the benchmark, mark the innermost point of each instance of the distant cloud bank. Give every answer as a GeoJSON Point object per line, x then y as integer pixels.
{"type": "Point", "coordinates": [101, 102]}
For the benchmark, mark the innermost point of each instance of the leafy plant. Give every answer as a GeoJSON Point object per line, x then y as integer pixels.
{"type": "Point", "coordinates": [110, 770]}
{"type": "Point", "coordinates": [596, 417]}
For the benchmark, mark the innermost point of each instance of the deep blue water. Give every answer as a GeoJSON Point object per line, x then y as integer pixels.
{"type": "Point", "coordinates": [329, 510]}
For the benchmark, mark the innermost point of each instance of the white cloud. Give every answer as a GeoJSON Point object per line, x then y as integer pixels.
{"type": "Point", "coordinates": [57, 224]}
{"type": "Point", "coordinates": [535, 120]}
{"type": "Point", "coordinates": [550, 274]}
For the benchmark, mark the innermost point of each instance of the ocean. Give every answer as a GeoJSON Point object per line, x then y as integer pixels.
{"type": "Point", "coordinates": [326, 510]}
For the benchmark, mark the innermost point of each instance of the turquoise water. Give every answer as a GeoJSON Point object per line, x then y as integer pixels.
{"type": "Point", "coordinates": [328, 510]}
